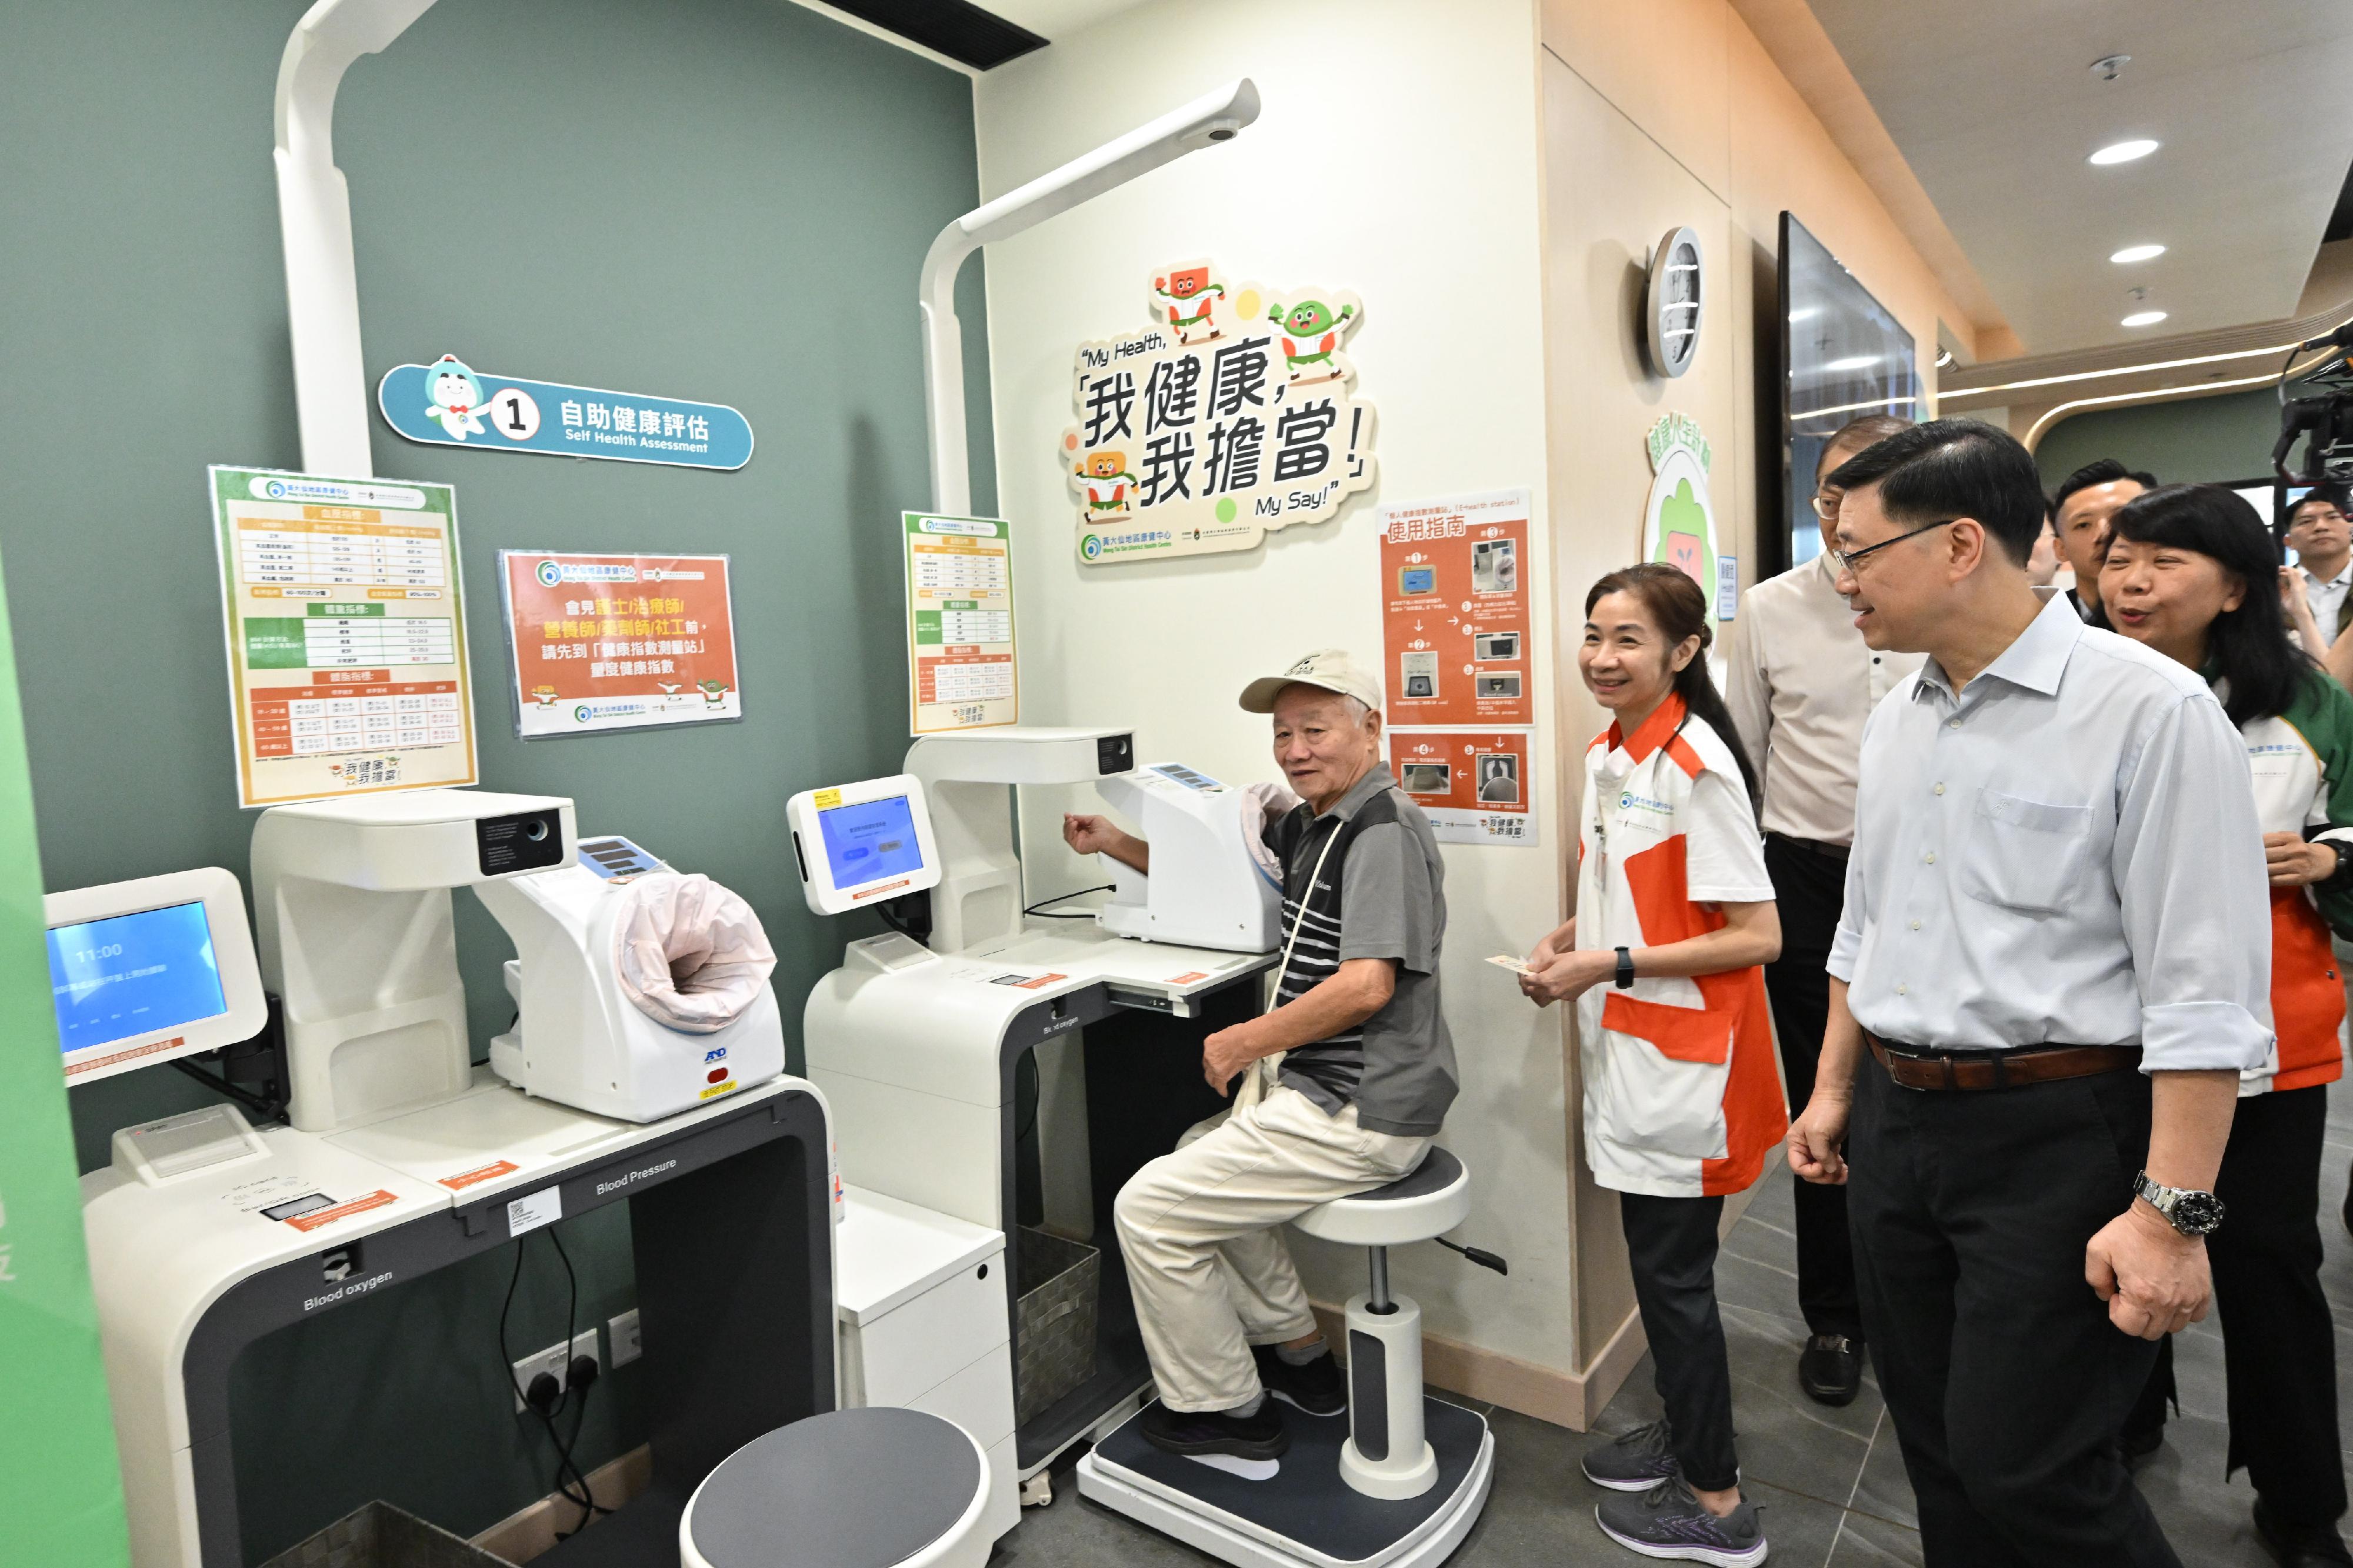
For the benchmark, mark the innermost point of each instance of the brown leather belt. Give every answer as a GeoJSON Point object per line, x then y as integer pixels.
{"type": "Point", "coordinates": [1914, 1069]}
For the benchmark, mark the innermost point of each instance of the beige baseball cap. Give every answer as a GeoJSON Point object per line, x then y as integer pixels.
{"type": "Point", "coordinates": [1329, 667]}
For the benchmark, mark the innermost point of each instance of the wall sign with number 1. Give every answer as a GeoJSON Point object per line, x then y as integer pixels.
{"type": "Point", "coordinates": [450, 403]}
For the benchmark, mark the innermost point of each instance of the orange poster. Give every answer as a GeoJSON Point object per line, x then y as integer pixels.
{"type": "Point", "coordinates": [1454, 598]}
{"type": "Point", "coordinates": [617, 642]}
{"type": "Point", "coordinates": [1473, 785]}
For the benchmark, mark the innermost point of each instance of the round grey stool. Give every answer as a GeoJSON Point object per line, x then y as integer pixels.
{"type": "Point", "coordinates": [873, 1487]}
{"type": "Point", "coordinates": [1386, 1454]}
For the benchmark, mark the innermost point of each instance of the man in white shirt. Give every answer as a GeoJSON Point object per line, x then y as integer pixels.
{"type": "Point", "coordinates": [2086, 500]}
{"type": "Point", "coordinates": [2318, 534]}
{"type": "Point", "coordinates": [1802, 682]}
{"type": "Point", "coordinates": [2057, 879]}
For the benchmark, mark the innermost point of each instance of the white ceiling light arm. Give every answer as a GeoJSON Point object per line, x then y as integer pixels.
{"type": "Point", "coordinates": [1212, 118]}
{"type": "Point", "coordinates": [314, 214]}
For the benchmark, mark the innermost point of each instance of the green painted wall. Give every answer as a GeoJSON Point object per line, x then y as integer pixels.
{"type": "Point", "coordinates": [720, 199]}
{"type": "Point", "coordinates": [2203, 440]}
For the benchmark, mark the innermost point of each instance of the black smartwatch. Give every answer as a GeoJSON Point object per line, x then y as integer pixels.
{"type": "Point", "coordinates": [1625, 969]}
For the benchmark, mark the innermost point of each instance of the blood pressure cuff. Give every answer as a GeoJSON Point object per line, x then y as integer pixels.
{"type": "Point", "coordinates": [691, 954]}
{"type": "Point", "coordinates": [1263, 805]}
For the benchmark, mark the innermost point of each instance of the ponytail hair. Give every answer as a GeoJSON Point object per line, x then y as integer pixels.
{"type": "Point", "coordinates": [1679, 609]}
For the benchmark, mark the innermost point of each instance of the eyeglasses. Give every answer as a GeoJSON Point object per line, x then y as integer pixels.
{"type": "Point", "coordinates": [1852, 560]}
{"type": "Point", "coordinates": [1825, 507]}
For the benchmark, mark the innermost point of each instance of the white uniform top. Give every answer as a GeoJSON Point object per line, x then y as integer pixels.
{"type": "Point", "coordinates": [1681, 1098]}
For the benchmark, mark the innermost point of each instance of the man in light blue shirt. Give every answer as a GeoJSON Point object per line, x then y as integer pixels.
{"type": "Point", "coordinates": [2057, 879]}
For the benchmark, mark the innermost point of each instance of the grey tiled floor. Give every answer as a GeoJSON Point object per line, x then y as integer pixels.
{"type": "Point", "coordinates": [1831, 1480]}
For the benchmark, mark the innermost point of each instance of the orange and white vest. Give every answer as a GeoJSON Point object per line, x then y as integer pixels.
{"type": "Point", "coordinates": [2297, 760]}
{"type": "Point", "coordinates": [1682, 1097]}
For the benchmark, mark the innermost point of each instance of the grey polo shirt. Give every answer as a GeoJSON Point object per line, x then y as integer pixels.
{"type": "Point", "coordinates": [1381, 894]}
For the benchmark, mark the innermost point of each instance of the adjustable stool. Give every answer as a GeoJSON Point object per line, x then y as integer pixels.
{"type": "Point", "coordinates": [874, 1488]}
{"type": "Point", "coordinates": [1386, 1454]}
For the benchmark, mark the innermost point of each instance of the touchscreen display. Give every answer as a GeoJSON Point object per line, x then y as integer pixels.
{"type": "Point", "coordinates": [132, 975]}
{"type": "Point", "coordinates": [871, 840]}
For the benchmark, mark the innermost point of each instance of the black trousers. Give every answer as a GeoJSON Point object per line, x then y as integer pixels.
{"type": "Point", "coordinates": [1810, 890]}
{"type": "Point", "coordinates": [2005, 1379]}
{"type": "Point", "coordinates": [2279, 1342]}
{"type": "Point", "coordinates": [1671, 1243]}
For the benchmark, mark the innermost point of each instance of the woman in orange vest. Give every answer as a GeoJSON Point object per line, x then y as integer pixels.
{"type": "Point", "coordinates": [2193, 573]}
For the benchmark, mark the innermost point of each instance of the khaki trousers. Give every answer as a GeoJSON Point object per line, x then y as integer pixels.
{"type": "Point", "coordinates": [1201, 1231]}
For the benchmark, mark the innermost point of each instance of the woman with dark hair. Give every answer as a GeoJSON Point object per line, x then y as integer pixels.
{"type": "Point", "coordinates": [1674, 916]}
{"type": "Point", "coordinates": [2191, 573]}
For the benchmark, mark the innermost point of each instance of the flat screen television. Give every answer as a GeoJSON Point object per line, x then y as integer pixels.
{"type": "Point", "coordinates": [1842, 355]}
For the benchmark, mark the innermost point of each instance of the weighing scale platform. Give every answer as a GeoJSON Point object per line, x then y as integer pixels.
{"type": "Point", "coordinates": [1304, 1513]}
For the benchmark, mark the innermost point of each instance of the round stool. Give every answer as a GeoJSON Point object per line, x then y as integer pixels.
{"type": "Point", "coordinates": [873, 1487]}
{"type": "Point", "coordinates": [1386, 1454]}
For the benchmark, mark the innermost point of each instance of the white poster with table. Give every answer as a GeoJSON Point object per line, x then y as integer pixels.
{"type": "Point", "coordinates": [960, 672]}
{"type": "Point", "coordinates": [347, 634]}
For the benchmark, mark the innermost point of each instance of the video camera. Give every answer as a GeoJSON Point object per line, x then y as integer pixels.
{"type": "Point", "coordinates": [2323, 422]}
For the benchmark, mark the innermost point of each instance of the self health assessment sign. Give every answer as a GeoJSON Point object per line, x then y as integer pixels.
{"type": "Point", "coordinates": [347, 630]}
{"type": "Point", "coordinates": [448, 403]}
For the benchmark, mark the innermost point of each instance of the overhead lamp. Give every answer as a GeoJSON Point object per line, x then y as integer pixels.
{"type": "Point", "coordinates": [1212, 119]}
{"type": "Point", "coordinates": [2132, 253]}
{"type": "Point", "coordinates": [1945, 358]}
{"type": "Point", "coordinates": [2124, 151]}
{"type": "Point", "coordinates": [1852, 361]}
{"type": "Point", "coordinates": [2144, 318]}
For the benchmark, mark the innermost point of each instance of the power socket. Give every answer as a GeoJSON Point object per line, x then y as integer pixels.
{"type": "Point", "coordinates": [621, 1333]}
{"type": "Point", "coordinates": [555, 1361]}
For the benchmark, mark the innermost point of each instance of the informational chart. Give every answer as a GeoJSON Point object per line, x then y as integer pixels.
{"type": "Point", "coordinates": [346, 635]}
{"type": "Point", "coordinates": [961, 673]}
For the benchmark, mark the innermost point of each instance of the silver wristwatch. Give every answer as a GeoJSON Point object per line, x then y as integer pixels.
{"type": "Point", "coordinates": [2187, 1210]}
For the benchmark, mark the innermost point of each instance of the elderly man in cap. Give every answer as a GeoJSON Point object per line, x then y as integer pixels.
{"type": "Point", "coordinates": [1343, 1080]}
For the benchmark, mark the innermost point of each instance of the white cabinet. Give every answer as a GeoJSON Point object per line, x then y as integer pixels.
{"type": "Point", "coordinates": [922, 1323]}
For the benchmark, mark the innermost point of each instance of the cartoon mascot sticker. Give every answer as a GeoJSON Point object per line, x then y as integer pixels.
{"type": "Point", "coordinates": [1190, 297]}
{"type": "Point", "coordinates": [457, 398]}
{"type": "Point", "coordinates": [1105, 476]}
{"type": "Point", "coordinates": [1310, 332]}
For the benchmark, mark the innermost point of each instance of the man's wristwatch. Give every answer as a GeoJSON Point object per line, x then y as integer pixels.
{"type": "Point", "coordinates": [2190, 1212]}
{"type": "Point", "coordinates": [1625, 969]}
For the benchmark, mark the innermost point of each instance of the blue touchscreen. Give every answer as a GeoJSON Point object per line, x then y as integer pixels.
{"type": "Point", "coordinates": [870, 840]}
{"type": "Point", "coordinates": [133, 975]}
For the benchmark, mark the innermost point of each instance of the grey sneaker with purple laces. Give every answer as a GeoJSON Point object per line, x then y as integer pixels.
{"type": "Point", "coordinates": [1635, 1461]}
{"type": "Point", "coordinates": [1668, 1522]}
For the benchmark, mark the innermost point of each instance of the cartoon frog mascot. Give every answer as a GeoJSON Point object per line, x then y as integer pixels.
{"type": "Point", "coordinates": [457, 398]}
{"type": "Point", "coordinates": [1190, 298]}
{"type": "Point", "coordinates": [1105, 476]}
{"type": "Point", "coordinates": [1310, 335]}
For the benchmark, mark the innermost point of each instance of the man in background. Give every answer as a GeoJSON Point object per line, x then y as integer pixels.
{"type": "Point", "coordinates": [1802, 682]}
{"type": "Point", "coordinates": [2323, 542]}
{"type": "Point", "coordinates": [2086, 500]}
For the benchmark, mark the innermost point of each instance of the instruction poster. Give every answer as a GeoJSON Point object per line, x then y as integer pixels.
{"type": "Point", "coordinates": [1454, 602]}
{"type": "Point", "coordinates": [1473, 785]}
{"type": "Point", "coordinates": [960, 666]}
{"type": "Point", "coordinates": [617, 642]}
{"type": "Point", "coordinates": [346, 632]}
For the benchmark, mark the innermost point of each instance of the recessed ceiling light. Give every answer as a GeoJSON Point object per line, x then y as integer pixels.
{"type": "Point", "coordinates": [1853, 362]}
{"type": "Point", "coordinates": [2144, 318]}
{"type": "Point", "coordinates": [2132, 253]}
{"type": "Point", "coordinates": [2124, 151]}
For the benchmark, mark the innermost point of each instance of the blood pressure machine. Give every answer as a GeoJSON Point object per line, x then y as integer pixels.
{"type": "Point", "coordinates": [645, 1065]}
{"type": "Point", "coordinates": [927, 1054]}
